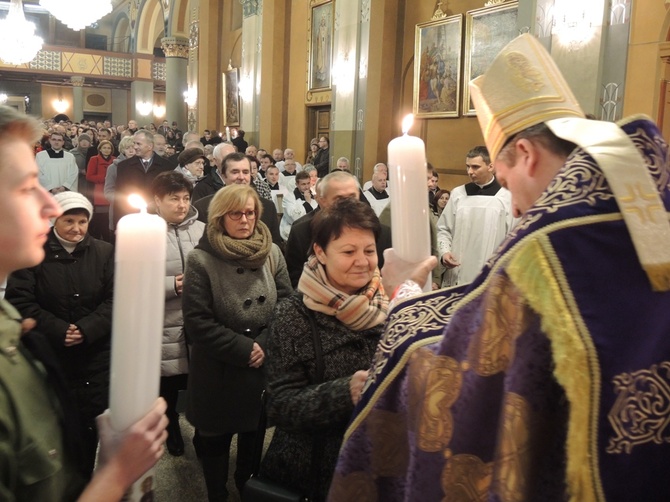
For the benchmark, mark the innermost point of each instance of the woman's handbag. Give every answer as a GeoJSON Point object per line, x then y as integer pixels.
{"type": "Point", "coordinates": [261, 489]}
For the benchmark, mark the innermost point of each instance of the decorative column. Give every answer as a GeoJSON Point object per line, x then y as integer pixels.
{"type": "Point", "coordinates": [176, 59]}
{"type": "Point", "coordinates": [77, 98]}
{"type": "Point", "coordinates": [589, 42]}
{"type": "Point", "coordinates": [350, 48]}
{"type": "Point", "coordinates": [250, 73]}
{"type": "Point", "coordinates": [192, 80]}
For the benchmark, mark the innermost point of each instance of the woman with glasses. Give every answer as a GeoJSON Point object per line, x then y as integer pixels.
{"type": "Point", "coordinates": [233, 280]}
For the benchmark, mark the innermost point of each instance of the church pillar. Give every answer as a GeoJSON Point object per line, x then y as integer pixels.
{"type": "Point", "coordinates": [192, 70]}
{"type": "Point", "coordinates": [176, 58]}
{"type": "Point", "coordinates": [77, 98]}
{"type": "Point", "coordinates": [589, 42]}
{"type": "Point", "coordinates": [250, 72]}
{"type": "Point", "coordinates": [349, 70]}
{"type": "Point", "coordinates": [208, 95]}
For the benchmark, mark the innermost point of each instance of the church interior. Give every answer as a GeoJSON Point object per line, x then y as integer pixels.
{"type": "Point", "coordinates": [285, 71]}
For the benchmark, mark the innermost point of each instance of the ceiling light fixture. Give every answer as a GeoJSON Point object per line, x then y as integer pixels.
{"type": "Point", "coordinates": [18, 42]}
{"type": "Point", "coordinates": [77, 14]}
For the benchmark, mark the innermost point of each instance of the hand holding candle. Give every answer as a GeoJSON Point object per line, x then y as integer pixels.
{"type": "Point", "coordinates": [410, 223]}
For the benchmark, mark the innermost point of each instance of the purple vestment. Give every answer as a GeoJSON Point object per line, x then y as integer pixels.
{"type": "Point", "coordinates": [546, 379]}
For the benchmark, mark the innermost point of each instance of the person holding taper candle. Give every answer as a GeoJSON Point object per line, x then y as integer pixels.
{"type": "Point", "coordinates": [36, 460]}
{"type": "Point", "coordinates": [544, 378]}
{"type": "Point", "coordinates": [233, 279]}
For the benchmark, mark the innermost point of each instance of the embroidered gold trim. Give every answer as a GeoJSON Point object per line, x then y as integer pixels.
{"type": "Point", "coordinates": [466, 478]}
{"type": "Point", "coordinates": [393, 374]}
{"type": "Point", "coordinates": [491, 349]}
{"type": "Point", "coordinates": [390, 451]}
{"type": "Point", "coordinates": [537, 272]}
{"type": "Point", "coordinates": [641, 412]}
{"type": "Point", "coordinates": [512, 461]}
{"type": "Point", "coordinates": [438, 381]}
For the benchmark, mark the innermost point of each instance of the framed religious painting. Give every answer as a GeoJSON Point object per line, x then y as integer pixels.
{"type": "Point", "coordinates": [320, 45]}
{"type": "Point", "coordinates": [231, 97]}
{"type": "Point", "coordinates": [487, 31]}
{"type": "Point", "coordinates": [437, 67]}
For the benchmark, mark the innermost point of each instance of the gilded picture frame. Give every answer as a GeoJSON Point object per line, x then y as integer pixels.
{"type": "Point", "coordinates": [487, 31]}
{"type": "Point", "coordinates": [231, 97]}
{"type": "Point", "coordinates": [320, 45]}
{"type": "Point", "coordinates": [437, 67]}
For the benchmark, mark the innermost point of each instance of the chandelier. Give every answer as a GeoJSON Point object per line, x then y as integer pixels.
{"type": "Point", "coordinates": [18, 42]}
{"type": "Point", "coordinates": [77, 14]}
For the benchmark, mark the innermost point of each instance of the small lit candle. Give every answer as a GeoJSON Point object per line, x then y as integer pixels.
{"type": "Point", "coordinates": [228, 134]}
{"type": "Point", "coordinates": [410, 220]}
{"type": "Point", "coordinates": [137, 319]}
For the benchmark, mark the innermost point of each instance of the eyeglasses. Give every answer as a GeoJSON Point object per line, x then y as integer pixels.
{"type": "Point", "coordinates": [237, 215]}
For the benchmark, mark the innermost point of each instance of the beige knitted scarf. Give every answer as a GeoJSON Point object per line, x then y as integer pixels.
{"type": "Point", "coordinates": [361, 311]}
{"type": "Point", "coordinates": [248, 253]}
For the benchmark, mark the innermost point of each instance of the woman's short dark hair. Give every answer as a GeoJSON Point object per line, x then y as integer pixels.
{"type": "Point", "coordinates": [170, 182]}
{"type": "Point", "coordinates": [328, 224]}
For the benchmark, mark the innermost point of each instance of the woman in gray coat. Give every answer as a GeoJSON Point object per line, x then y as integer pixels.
{"type": "Point", "coordinates": [172, 197]}
{"type": "Point", "coordinates": [233, 280]}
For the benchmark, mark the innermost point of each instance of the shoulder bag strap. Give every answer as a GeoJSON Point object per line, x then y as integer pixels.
{"type": "Point", "coordinates": [318, 441]}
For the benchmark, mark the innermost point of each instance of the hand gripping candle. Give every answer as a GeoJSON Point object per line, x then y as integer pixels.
{"type": "Point", "coordinates": [410, 220]}
{"type": "Point", "coordinates": [137, 319]}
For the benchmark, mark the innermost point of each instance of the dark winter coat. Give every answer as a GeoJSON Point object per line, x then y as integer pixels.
{"type": "Point", "coordinates": [209, 185]}
{"type": "Point", "coordinates": [75, 289]}
{"type": "Point", "coordinates": [132, 178]}
{"type": "Point", "coordinates": [227, 308]}
{"type": "Point", "coordinates": [302, 410]}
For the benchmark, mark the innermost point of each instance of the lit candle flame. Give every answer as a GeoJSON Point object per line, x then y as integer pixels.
{"type": "Point", "coordinates": [407, 123]}
{"type": "Point", "coordinates": [137, 202]}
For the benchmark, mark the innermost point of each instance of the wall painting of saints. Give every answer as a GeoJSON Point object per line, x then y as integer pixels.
{"type": "Point", "coordinates": [321, 46]}
{"type": "Point", "coordinates": [487, 31]}
{"type": "Point", "coordinates": [231, 97]}
{"type": "Point", "coordinates": [437, 67]}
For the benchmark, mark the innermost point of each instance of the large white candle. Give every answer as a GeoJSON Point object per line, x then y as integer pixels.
{"type": "Point", "coordinates": [228, 134]}
{"type": "Point", "coordinates": [410, 220]}
{"type": "Point", "coordinates": [137, 320]}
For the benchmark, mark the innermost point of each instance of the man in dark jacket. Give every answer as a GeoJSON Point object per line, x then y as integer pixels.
{"type": "Point", "coordinates": [322, 159]}
{"type": "Point", "coordinates": [134, 175]}
{"type": "Point", "coordinates": [211, 183]}
{"type": "Point", "coordinates": [236, 169]}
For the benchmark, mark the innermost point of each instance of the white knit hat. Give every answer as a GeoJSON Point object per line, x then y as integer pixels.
{"type": "Point", "coordinates": [74, 200]}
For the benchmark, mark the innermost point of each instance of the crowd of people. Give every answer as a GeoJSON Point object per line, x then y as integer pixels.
{"type": "Point", "coordinates": [280, 280]}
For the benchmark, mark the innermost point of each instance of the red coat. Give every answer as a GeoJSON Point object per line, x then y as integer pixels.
{"type": "Point", "coordinates": [95, 173]}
